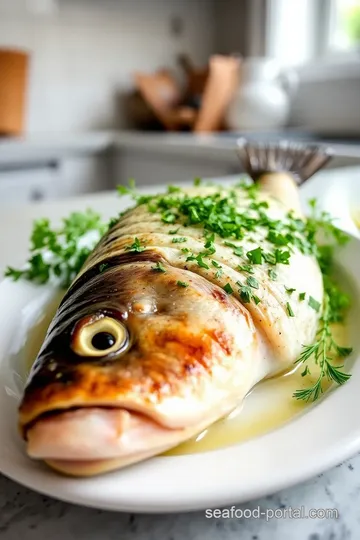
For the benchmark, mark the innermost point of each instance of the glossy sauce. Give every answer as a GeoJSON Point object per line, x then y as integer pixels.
{"type": "Point", "coordinates": [267, 407]}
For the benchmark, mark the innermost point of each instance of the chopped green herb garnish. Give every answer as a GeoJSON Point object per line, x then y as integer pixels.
{"type": "Point", "coordinates": [282, 256]}
{"type": "Point", "coordinates": [255, 255]}
{"type": "Point", "coordinates": [158, 267]}
{"type": "Point", "coordinates": [228, 288]}
{"type": "Point", "coordinates": [252, 282]}
{"type": "Point", "coordinates": [182, 284]}
{"type": "Point", "coordinates": [246, 268]}
{"type": "Point", "coordinates": [185, 250]}
{"type": "Point", "coordinates": [179, 240]}
{"type": "Point", "coordinates": [174, 231]}
{"type": "Point", "coordinates": [103, 267]}
{"type": "Point", "coordinates": [199, 260]}
{"type": "Point", "coordinates": [314, 303]}
{"type": "Point", "coordinates": [277, 239]}
{"type": "Point", "coordinates": [219, 274]}
{"type": "Point", "coordinates": [135, 246]}
{"type": "Point", "coordinates": [216, 264]}
{"type": "Point", "coordinates": [237, 250]}
{"type": "Point", "coordinates": [168, 217]}
{"type": "Point", "coordinates": [209, 244]}
{"type": "Point", "coordinates": [173, 189]}
{"type": "Point", "coordinates": [290, 290]}
{"type": "Point", "coordinates": [272, 274]}
{"type": "Point", "coordinates": [247, 295]}
{"type": "Point", "coordinates": [289, 310]}
{"type": "Point", "coordinates": [302, 296]}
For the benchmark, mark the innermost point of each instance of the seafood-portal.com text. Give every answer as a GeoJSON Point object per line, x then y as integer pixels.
{"type": "Point", "coordinates": [270, 513]}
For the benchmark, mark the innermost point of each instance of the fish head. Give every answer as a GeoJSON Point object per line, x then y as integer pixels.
{"type": "Point", "coordinates": [138, 357]}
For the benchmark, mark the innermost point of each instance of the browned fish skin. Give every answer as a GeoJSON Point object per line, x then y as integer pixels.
{"type": "Point", "coordinates": [163, 360]}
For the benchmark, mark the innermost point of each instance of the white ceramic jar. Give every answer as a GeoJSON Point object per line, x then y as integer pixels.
{"type": "Point", "coordinates": [264, 96]}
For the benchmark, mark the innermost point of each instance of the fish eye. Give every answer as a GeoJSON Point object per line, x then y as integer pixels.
{"type": "Point", "coordinates": [99, 337]}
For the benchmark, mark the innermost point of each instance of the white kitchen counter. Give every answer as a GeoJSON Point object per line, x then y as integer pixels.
{"type": "Point", "coordinates": [44, 148]}
{"type": "Point", "coordinates": [55, 147]}
{"type": "Point", "coordinates": [53, 167]}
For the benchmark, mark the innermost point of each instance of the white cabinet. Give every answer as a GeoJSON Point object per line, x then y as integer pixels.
{"type": "Point", "coordinates": [156, 167]}
{"type": "Point", "coordinates": [84, 174]}
{"type": "Point", "coordinates": [67, 177]}
{"type": "Point", "coordinates": [31, 184]}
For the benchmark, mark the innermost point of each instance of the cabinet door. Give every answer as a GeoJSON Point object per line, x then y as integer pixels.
{"type": "Point", "coordinates": [154, 168]}
{"type": "Point", "coordinates": [28, 185]}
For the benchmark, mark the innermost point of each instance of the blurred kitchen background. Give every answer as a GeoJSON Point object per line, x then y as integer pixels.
{"type": "Point", "coordinates": [93, 92]}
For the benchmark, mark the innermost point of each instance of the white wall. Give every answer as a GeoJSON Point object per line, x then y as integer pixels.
{"type": "Point", "coordinates": [84, 52]}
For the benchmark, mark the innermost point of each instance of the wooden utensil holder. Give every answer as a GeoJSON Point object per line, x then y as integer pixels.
{"type": "Point", "coordinates": [14, 65]}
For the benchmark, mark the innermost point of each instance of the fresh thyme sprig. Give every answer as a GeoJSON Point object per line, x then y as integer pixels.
{"type": "Point", "coordinates": [321, 351]}
{"type": "Point", "coordinates": [335, 304]}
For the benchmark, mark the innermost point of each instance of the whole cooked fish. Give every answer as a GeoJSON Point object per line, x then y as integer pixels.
{"type": "Point", "coordinates": [179, 311]}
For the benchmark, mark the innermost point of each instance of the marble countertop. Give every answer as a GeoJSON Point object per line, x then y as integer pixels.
{"type": "Point", "coordinates": [52, 147]}
{"type": "Point", "coordinates": [27, 515]}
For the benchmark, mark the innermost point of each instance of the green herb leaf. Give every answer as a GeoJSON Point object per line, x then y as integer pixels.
{"type": "Point", "coordinates": [272, 274]}
{"type": "Point", "coordinates": [199, 260]}
{"type": "Point", "coordinates": [59, 253]}
{"type": "Point", "coordinates": [289, 310]}
{"type": "Point", "coordinates": [228, 288]}
{"type": "Point", "coordinates": [237, 250]}
{"type": "Point", "coordinates": [252, 282]}
{"type": "Point", "coordinates": [290, 290]}
{"type": "Point", "coordinates": [103, 267]}
{"type": "Point", "coordinates": [302, 296]}
{"type": "Point", "coordinates": [314, 304]}
{"type": "Point", "coordinates": [282, 256]}
{"type": "Point", "coordinates": [320, 350]}
{"type": "Point", "coordinates": [246, 268]}
{"type": "Point", "coordinates": [179, 240]}
{"type": "Point", "coordinates": [135, 247]}
{"type": "Point", "coordinates": [305, 372]}
{"type": "Point", "coordinates": [158, 267]}
{"type": "Point", "coordinates": [255, 255]}
{"type": "Point", "coordinates": [182, 284]}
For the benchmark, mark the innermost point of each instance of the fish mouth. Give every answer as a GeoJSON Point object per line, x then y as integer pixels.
{"type": "Point", "coordinates": [93, 440]}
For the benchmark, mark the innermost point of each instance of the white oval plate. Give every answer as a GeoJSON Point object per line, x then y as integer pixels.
{"type": "Point", "coordinates": [324, 435]}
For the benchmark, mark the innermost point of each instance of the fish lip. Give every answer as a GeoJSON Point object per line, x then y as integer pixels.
{"type": "Point", "coordinates": [55, 412]}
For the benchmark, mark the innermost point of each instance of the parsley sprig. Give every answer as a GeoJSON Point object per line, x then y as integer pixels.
{"type": "Point", "coordinates": [59, 253]}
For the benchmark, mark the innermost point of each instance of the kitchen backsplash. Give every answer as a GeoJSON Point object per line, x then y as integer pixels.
{"type": "Point", "coordinates": [84, 52]}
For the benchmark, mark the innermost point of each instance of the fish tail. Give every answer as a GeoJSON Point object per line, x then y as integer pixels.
{"type": "Point", "coordinates": [301, 160]}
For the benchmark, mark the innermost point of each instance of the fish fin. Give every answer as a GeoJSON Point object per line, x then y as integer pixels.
{"type": "Point", "coordinates": [301, 160]}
